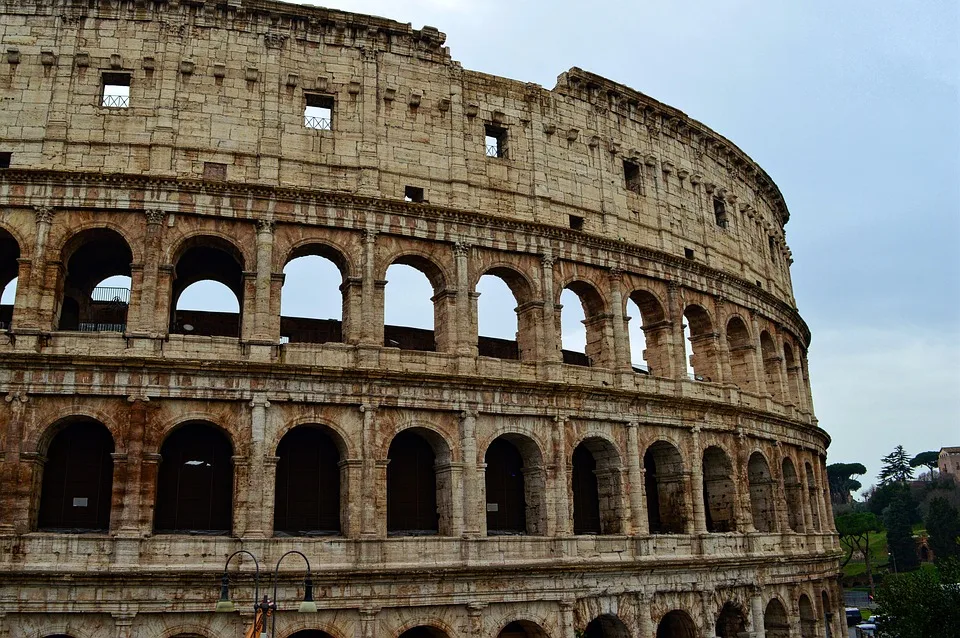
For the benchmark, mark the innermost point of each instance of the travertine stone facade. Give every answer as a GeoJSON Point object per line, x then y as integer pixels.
{"type": "Point", "coordinates": [171, 142]}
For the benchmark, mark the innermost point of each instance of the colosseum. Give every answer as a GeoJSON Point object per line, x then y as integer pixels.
{"type": "Point", "coordinates": [157, 458]}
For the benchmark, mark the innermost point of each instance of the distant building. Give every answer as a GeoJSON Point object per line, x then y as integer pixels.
{"type": "Point", "coordinates": [949, 462]}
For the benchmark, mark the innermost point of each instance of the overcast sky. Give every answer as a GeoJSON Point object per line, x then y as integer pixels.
{"type": "Point", "coordinates": [852, 107]}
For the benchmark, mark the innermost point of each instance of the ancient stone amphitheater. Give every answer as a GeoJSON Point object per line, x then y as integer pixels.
{"type": "Point", "coordinates": [440, 483]}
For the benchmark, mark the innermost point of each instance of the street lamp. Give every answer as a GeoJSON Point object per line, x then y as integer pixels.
{"type": "Point", "coordinates": [225, 605]}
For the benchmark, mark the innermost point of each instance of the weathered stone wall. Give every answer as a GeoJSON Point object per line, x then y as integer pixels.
{"type": "Point", "coordinates": [711, 493]}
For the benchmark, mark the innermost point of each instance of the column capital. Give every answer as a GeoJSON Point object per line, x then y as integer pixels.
{"type": "Point", "coordinates": [155, 216]}
{"type": "Point", "coordinates": [265, 226]}
{"type": "Point", "coordinates": [615, 275]}
{"type": "Point", "coordinates": [43, 214]}
{"type": "Point", "coordinates": [461, 249]}
{"type": "Point", "coordinates": [369, 236]}
{"type": "Point", "coordinates": [547, 261]}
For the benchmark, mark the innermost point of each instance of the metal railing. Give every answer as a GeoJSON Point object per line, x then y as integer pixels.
{"type": "Point", "coordinates": [111, 295]}
{"type": "Point", "coordinates": [319, 123]}
{"type": "Point", "coordinates": [102, 327]}
{"type": "Point", "coordinates": [493, 150]}
{"type": "Point", "coordinates": [116, 101]}
{"type": "Point", "coordinates": [696, 377]}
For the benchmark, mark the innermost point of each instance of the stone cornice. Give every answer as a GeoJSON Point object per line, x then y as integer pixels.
{"type": "Point", "coordinates": [397, 207]}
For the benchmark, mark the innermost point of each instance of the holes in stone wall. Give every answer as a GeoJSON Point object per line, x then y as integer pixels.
{"type": "Point", "coordinates": [700, 335]}
{"type": "Point", "coordinates": [115, 90]}
{"type": "Point", "coordinates": [582, 304]}
{"type": "Point", "coordinates": [9, 269]}
{"type": "Point", "coordinates": [596, 487]}
{"type": "Point", "coordinates": [413, 194]}
{"type": "Point", "coordinates": [793, 491]}
{"type": "Point", "coordinates": [495, 140]}
{"type": "Point", "coordinates": [497, 325]}
{"type": "Point", "coordinates": [732, 621]}
{"type": "Point", "coordinates": [676, 624]}
{"type": "Point", "coordinates": [318, 111]}
{"type": "Point", "coordinates": [576, 222]}
{"type": "Point", "coordinates": [742, 355]}
{"type": "Point", "coordinates": [719, 491]}
{"type": "Point", "coordinates": [5, 158]}
{"type": "Point", "coordinates": [775, 621]}
{"type": "Point", "coordinates": [720, 212]}
{"type": "Point", "coordinates": [632, 177]}
{"type": "Point", "coordinates": [410, 312]}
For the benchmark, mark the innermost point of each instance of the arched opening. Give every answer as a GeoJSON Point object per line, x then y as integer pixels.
{"type": "Point", "coordinates": [195, 481]}
{"type": "Point", "coordinates": [412, 307]}
{"type": "Point", "coordinates": [606, 626]}
{"type": "Point", "coordinates": [676, 624]}
{"type": "Point", "coordinates": [742, 351]}
{"type": "Point", "coordinates": [827, 611]}
{"type": "Point", "coordinates": [761, 494]}
{"type": "Point", "coordinates": [212, 269]}
{"type": "Point", "coordinates": [808, 619]}
{"type": "Point", "coordinates": [583, 325]}
{"type": "Point", "coordinates": [649, 337]}
{"type": "Point", "coordinates": [771, 365]}
{"type": "Point", "coordinates": [412, 486]}
{"type": "Point", "coordinates": [813, 495]}
{"type": "Point", "coordinates": [9, 269]}
{"type": "Point", "coordinates": [775, 622]}
{"type": "Point", "coordinates": [597, 507]}
{"type": "Point", "coordinates": [522, 629]}
{"type": "Point", "coordinates": [313, 298]}
{"type": "Point", "coordinates": [732, 621]}
{"type": "Point", "coordinates": [503, 333]}
{"type": "Point", "coordinates": [664, 483]}
{"type": "Point", "coordinates": [307, 496]}
{"type": "Point", "coordinates": [423, 631]}
{"type": "Point", "coordinates": [793, 374]}
{"type": "Point", "coordinates": [93, 298]}
{"type": "Point", "coordinates": [703, 345]}
{"type": "Point", "coordinates": [310, 633]}
{"type": "Point", "coordinates": [719, 492]}
{"type": "Point", "coordinates": [793, 490]}
{"type": "Point", "coordinates": [75, 495]}
{"type": "Point", "coordinates": [514, 486]}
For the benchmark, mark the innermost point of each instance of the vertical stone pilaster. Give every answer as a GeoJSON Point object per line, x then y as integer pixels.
{"type": "Point", "coordinates": [550, 337]}
{"type": "Point", "coordinates": [123, 623]}
{"type": "Point", "coordinates": [368, 493]}
{"type": "Point", "coordinates": [560, 489]}
{"type": "Point", "coordinates": [138, 423]}
{"type": "Point", "coordinates": [351, 496]}
{"type": "Point", "coordinates": [621, 355]}
{"type": "Point", "coordinates": [759, 363]}
{"type": "Point", "coordinates": [262, 320]}
{"type": "Point", "coordinates": [638, 514]}
{"type": "Point", "coordinates": [756, 614]}
{"type": "Point", "coordinates": [472, 506]}
{"type": "Point", "coordinates": [696, 483]}
{"type": "Point", "coordinates": [372, 312]}
{"type": "Point", "coordinates": [475, 619]}
{"type": "Point", "coordinates": [368, 622]}
{"type": "Point", "coordinates": [15, 403]}
{"type": "Point", "coordinates": [644, 621]}
{"type": "Point", "coordinates": [258, 506]}
{"type": "Point", "coordinates": [466, 337]}
{"type": "Point", "coordinates": [243, 499]}
{"type": "Point", "coordinates": [675, 316]}
{"type": "Point", "coordinates": [148, 489]}
{"type": "Point", "coordinates": [30, 316]}
{"type": "Point", "coordinates": [567, 627]}
{"type": "Point", "coordinates": [145, 322]}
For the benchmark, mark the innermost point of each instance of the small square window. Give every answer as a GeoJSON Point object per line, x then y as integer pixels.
{"type": "Point", "coordinates": [759, 284]}
{"type": "Point", "coordinates": [720, 212]}
{"type": "Point", "coordinates": [214, 171]}
{"type": "Point", "coordinates": [631, 176]}
{"type": "Point", "coordinates": [116, 90]}
{"type": "Point", "coordinates": [413, 194]}
{"type": "Point", "coordinates": [5, 158]}
{"type": "Point", "coordinates": [318, 112]}
{"type": "Point", "coordinates": [495, 140]}
{"type": "Point", "coordinates": [773, 248]}
{"type": "Point", "coordinates": [688, 253]}
{"type": "Point", "coordinates": [576, 222]}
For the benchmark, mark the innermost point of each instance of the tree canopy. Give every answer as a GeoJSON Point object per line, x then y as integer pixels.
{"type": "Point", "coordinates": [921, 604]}
{"type": "Point", "coordinates": [840, 477]}
{"type": "Point", "coordinates": [929, 460]}
{"type": "Point", "coordinates": [943, 529]}
{"type": "Point", "coordinates": [900, 543]}
{"type": "Point", "coordinates": [854, 530]}
{"type": "Point", "coordinates": [896, 467]}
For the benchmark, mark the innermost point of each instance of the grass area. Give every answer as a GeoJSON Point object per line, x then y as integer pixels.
{"type": "Point", "coordinates": [878, 554]}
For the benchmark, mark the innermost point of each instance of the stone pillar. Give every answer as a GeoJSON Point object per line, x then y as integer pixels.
{"type": "Point", "coordinates": [560, 488]}
{"type": "Point", "coordinates": [243, 499]}
{"type": "Point", "coordinates": [351, 291]}
{"type": "Point", "coordinates": [372, 313]}
{"type": "Point", "coordinates": [123, 623]}
{"type": "Point", "coordinates": [269, 503]}
{"type": "Point", "coordinates": [638, 513]}
{"type": "Point", "coordinates": [368, 622]}
{"type": "Point", "coordinates": [475, 620]}
{"type": "Point", "coordinates": [466, 333]}
{"type": "Point", "coordinates": [29, 317]}
{"type": "Point", "coordinates": [823, 502]}
{"type": "Point", "coordinates": [807, 499]}
{"type": "Point", "coordinates": [15, 403]}
{"type": "Point", "coordinates": [146, 321]}
{"type": "Point", "coordinates": [723, 345]}
{"type": "Point", "coordinates": [261, 320]}
{"type": "Point", "coordinates": [255, 488]}
{"type": "Point", "coordinates": [744, 510]}
{"type": "Point", "coordinates": [368, 496]}
{"type": "Point", "coordinates": [645, 627]}
{"type": "Point", "coordinates": [756, 614]}
{"type": "Point", "coordinates": [550, 337]}
{"type": "Point", "coordinates": [567, 627]}
{"type": "Point", "coordinates": [676, 318]}
{"type": "Point", "coordinates": [138, 423]}
{"type": "Point", "coordinates": [165, 309]}
{"type": "Point", "coordinates": [148, 489]}
{"type": "Point", "coordinates": [351, 494]}
{"type": "Point", "coordinates": [621, 356]}
{"type": "Point", "coordinates": [759, 365]}
{"type": "Point", "coordinates": [473, 509]}
{"type": "Point", "coordinates": [696, 482]}
{"type": "Point", "coordinates": [780, 504]}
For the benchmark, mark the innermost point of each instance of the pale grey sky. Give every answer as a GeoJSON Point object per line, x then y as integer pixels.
{"type": "Point", "coordinates": [852, 107]}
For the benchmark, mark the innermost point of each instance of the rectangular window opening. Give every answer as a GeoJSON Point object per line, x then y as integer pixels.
{"type": "Point", "coordinates": [631, 176]}
{"type": "Point", "coordinates": [215, 171]}
{"type": "Point", "coordinates": [576, 222]}
{"type": "Point", "coordinates": [688, 253]}
{"type": "Point", "coordinates": [773, 248]}
{"type": "Point", "coordinates": [5, 158]}
{"type": "Point", "coordinates": [318, 112]}
{"type": "Point", "coordinates": [720, 212]}
{"type": "Point", "coordinates": [759, 284]}
{"type": "Point", "coordinates": [495, 140]}
{"type": "Point", "coordinates": [413, 194]}
{"type": "Point", "coordinates": [116, 90]}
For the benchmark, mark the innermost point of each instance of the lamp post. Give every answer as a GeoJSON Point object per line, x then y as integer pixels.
{"type": "Point", "coordinates": [225, 605]}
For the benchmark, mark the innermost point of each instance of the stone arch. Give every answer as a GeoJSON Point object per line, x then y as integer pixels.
{"type": "Point", "coordinates": [606, 626]}
{"type": "Point", "coordinates": [597, 487]}
{"type": "Point", "coordinates": [596, 321]}
{"type": "Point", "coordinates": [655, 329]}
{"type": "Point", "coordinates": [195, 480]}
{"type": "Point", "coordinates": [38, 440]}
{"type": "Point", "coordinates": [515, 486]}
{"type": "Point", "coordinates": [826, 609]}
{"type": "Point", "coordinates": [419, 483]}
{"type": "Point", "coordinates": [309, 325]}
{"type": "Point", "coordinates": [438, 338]}
{"type": "Point", "coordinates": [310, 482]}
{"type": "Point", "coordinates": [321, 247]}
{"type": "Point", "coordinates": [719, 490]}
{"type": "Point", "coordinates": [808, 617]}
{"type": "Point", "coordinates": [704, 358]}
{"type": "Point", "coordinates": [310, 633]}
{"type": "Point", "coordinates": [676, 624]}
{"type": "Point", "coordinates": [344, 444]}
{"type": "Point", "coordinates": [524, 345]}
{"type": "Point", "coordinates": [775, 621]}
{"type": "Point", "coordinates": [312, 628]}
{"type": "Point", "coordinates": [207, 256]}
{"type": "Point", "coordinates": [793, 374]}
{"type": "Point", "coordinates": [430, 629]}
{"type": "Point", "coordinates": [665, 485]}
{"type": "Point", "coordinates": [771, 365]}
{"type": "Point", "coordinates": [742, 354]}
{"type": "Point", "coordinates": [9, 271]}
{"type": "Point", "coordinates": [732, 620]}
{"type": "Point", "coordinates": [762, 505]}
{"type": "Point", "coordinates": [76, 490]}
{"type": "Point", "coordinates": [90, 256]}
{"type": "Point", "coordinates": [189, 630]}
{"type": "Point", "coordinates": [793, 491]}
{"type": "Point", "coordinates": [522, 629]}
{"type": "Point", "coordinates": [813, 496]}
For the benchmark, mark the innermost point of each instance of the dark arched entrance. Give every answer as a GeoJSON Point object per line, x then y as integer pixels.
{"type": "Point", "coordinates": [506, 496]}
{"type": "Point", "coordinates": [307, 499]}
{"type": "Point", "coordinates": [411, 486]}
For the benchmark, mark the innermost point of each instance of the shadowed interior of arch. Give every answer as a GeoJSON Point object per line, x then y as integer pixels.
{"type": "Point", "coordinates": [573, 329]}
{"type": "Point", "coordinates": [597, 490]}
{"type": "Point", "coordinates": [606, 626]}
{"type": "Point", "coordinates": [307, 494]}
{"type": "Point", "coordinates": [719, 492]}
{"type": "Point", "coordinates": [412, 486]}
{"type": "Point", "coordinates": [310, 633]}
{"type": "Point", "coordinates": [9, 268]}
{"type": "Point", "coordinates": [762, 506]}
{"type": "Point", "coordinates": [663, 480]}
{"type": "Point", "coordinates": [676, 624]}
{"type": "Point", "coordinates": [522, 629]}
{"type": "Point", "coordinates": [731, 622]}
{"type": "Point", "coordinates": [311, 302]}
{"type": "Point", "coordinates": [775, 621]}
{"type": "Point", "coordinates": [207, 295]}
{"type": "Point", "coordinates": [96, 284]}
{"type": "Point", "coordinates": [423, 631]}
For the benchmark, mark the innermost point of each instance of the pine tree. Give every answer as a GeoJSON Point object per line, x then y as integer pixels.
{"type": "Point", "coordinates": [900, 543]}
{"type": "Point", "coordinates": [943, 526]}
{"type": "Point", "coordinates": [896, 467]}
